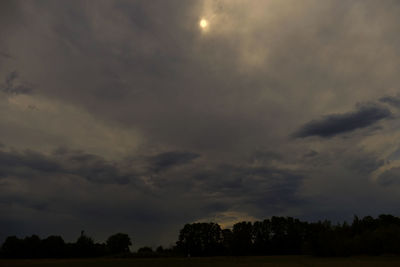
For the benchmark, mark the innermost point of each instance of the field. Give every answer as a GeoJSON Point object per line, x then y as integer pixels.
{"type": "Point", "coordinates": [210, 262]}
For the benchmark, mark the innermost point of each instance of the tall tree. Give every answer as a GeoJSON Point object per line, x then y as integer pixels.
{"type": "Point", "coordinates": [118, 243]}
{"type": "Point", "coordinates": [242, 239]}
{"type": "Point", "coordinates": [200, 239]}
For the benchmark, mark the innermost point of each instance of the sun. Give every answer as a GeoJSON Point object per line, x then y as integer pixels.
{"type": "Point", "coordinates": [203, 23]}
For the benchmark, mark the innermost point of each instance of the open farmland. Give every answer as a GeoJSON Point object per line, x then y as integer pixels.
{"type": "Point", "coordinates": [209, 262]}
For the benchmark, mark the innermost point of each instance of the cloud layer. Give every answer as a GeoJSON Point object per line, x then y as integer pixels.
{"type": "Point", "coordinates": [126, 116]}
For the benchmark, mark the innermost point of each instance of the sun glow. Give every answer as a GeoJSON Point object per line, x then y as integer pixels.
{"type": "Point", "coordinates": [203, 23]}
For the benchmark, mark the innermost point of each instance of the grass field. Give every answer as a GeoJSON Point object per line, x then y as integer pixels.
{"type": "Point", "coordinates": [210, 262]}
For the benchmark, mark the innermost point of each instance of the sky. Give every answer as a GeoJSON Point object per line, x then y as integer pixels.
{"type": "Point", "coordinates": [128, 116]}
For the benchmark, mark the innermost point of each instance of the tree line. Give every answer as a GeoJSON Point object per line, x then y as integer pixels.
{"type": "Point", "coordinates": [274, 236]}
{"type": "Point", "coordinates": [286, 235]}
{"type": "Point", "coordinates": [55, 247]}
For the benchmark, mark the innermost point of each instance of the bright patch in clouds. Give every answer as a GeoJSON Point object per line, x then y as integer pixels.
{"type": "Point", "coordinates": [203, 23]}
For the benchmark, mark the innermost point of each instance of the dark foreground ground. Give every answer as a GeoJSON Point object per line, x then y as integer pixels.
{"type": "Point", "coordinates": [381, 261]}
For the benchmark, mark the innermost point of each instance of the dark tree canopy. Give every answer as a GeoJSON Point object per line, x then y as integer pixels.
{"type": "Point", "coordinates": [12, 247]}
{"type": "Point", "coordinates": [199, 239]}
{"type": "Point", "coordinates": [86, 247]}
{"type": "Point", "coordinates": [242, 238]}
{"type": "Point", "coordinates": [118, 243]}
{"type": "Point", "coordinates": [286, 235]}
{"type": "Point", "coordinates": [54, 247]}
{"type": "Point", "coordinates": [274, 236]}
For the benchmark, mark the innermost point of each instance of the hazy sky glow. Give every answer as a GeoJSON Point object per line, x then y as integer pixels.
{"type": "Point", "coordinates": [129, 116]}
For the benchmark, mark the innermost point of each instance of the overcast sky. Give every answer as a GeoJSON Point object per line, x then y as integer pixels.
{"type": "Point", "coordinates": [127, 116]}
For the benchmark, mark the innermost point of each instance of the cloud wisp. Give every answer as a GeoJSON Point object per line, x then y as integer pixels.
{"type": "Point", "coordinates": [336, 124]}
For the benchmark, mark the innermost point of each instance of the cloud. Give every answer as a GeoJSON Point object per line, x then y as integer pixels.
{"type": "Point", "coordinates": [13, 85]}
{"type": "Point", "coordinates": [390, 177]}
{"type": "Point", "coordinates": [262, 189]}
{"type": "Point", "coordinates": [171, 159]}
{"type": "Point", "coordinates": [28, 159]}
{"type": "Point", "coordinates": [336, 124]}
{"type": "Point", "coordinates": [391, 100]}
{"type": "Point", "coordinates": [30, 164]}
{"type": "Point", "coordinates": [363, 163]}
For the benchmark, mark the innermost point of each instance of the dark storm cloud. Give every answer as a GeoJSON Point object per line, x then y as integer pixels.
{"type": "Point", "coordinates": [265, 156]}
{"type": "Point", "coordinates": [87, 166]}
{"type": "Point", "coordinates": [336, 124]}
{"type": "Point", "coordinates": [168, 160]}
{"type": "Point", "coordinates": [266, 189]}
{"type": "Point", "coordinates": [13, 85]}
{"type": "Point", "coordinates": [391, 100]}
{"type": "Point", "coordinates": [278, 190]}
{"type": "Point", "coordinates": [390, 177]}
{"type": "Point", "coordinates": [30, 164]}
{"type": "Point", "coordinates": [364, 163]}
{"type": "Point", "coordinates": [35, 161]}
{"type": "Point", "coordinates": [93, 168]}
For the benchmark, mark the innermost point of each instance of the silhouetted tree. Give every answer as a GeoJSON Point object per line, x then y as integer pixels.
{"type": "Point", "coordinates": [12, 247]}
{"type": "Point", "coordinates": [278, 235]}
{"type": "Point", "coordinates": [118, 243]}
{"type": "Point", "coordinates": [160, 250]}
{"type": "Point", "coordinates": [262, 237]}
{"type": "Point", "coordinates": [200, 239]}
{"type": "Point", "coordinates": [145, 252]}
{"type": "Point", "coordinates": [242, 238]}
{"type": "Point", "coordinates": [227, 241]}
{"type": "Point", "coordinates": [31, 247]}
{"type": "Point", "coordinates": [53, 247]}
{"type": "Point", "coordinates": [84, 246]}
